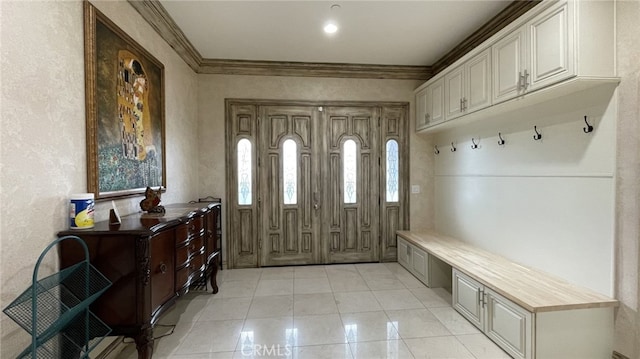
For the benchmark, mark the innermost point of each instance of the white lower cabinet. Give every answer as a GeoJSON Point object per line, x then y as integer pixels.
{"type": "Point", "coordinates": [429, 270]}
{"type": "Point", "coordinates": [509, 325]}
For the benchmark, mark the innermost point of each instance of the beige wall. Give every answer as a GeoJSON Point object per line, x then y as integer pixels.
{"type": "Point", "coordinates": [627, 267]}
{"type": "Point", "coordinates": [214, 89]}
{"type": "Point", "coordinates": [43, 133]}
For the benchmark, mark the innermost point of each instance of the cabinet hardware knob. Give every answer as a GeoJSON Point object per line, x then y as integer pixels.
{"type": "Point", "coordinates": [163, 268]}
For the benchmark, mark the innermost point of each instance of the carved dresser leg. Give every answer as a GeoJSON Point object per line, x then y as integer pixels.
{"type": "Point", "coordinates": [144, 343]}
{"type": "Point", "coordinates": [214, 273]}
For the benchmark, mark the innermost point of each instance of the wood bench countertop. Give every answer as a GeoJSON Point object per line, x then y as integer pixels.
{"type": "Point", "coordinates": [532, 289]}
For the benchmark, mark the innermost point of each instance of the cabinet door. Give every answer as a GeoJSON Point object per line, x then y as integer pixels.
{"type": "Point", "coordinates": [454, 92]}
{"type": "Point", "coordinates": [422, 116]}
{"type": "Point", "coordinates": [404, 253]}
{"type": "Point", "coordinates": [162, 266]}
{"type": "Point", "coordinates": [467, 298]}
{"type": "Point", "coordinates": [508, 64]}
{"type": "Point", "coordinates": [435, 104]}
{"type": "Point", "coordinates": [420, 265]}
{"type": "Point", "coordinates": [478, 82]}
{"type": "Point", "coordinates": [509, 325]}
{"type": "Point", "coordinates": [551, 46]}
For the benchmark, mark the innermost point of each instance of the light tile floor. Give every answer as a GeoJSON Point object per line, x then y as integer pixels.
{"type": "Point", "coordinates": [363, 311]}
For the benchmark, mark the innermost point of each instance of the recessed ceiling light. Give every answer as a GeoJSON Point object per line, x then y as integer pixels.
{"type": "Point", "coordinates": [330, 28]}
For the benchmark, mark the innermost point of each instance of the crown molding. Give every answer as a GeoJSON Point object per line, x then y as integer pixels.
{"type": "Point", "coordinates": [312, 69]}
{"type": "Point", "coordinates": [157, 16]}
{"type": "Point", "coordinates": [513, 11]}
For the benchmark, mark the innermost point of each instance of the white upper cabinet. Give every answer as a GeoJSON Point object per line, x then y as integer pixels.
{"type": "Point", "coordinates": [467, 87]}
{"type": "Point", "coordinates": [536, 55]}
{"type": "Point", "coordinates": [435, 103]}
{"type": "Point", "coordinates": [508, 66]}
{"type": "Point", "coordinates": [422, 114]}
{"type": "Point", "coordinates": [557, 48]}
{"type": "Point", "coordinates": [454, 92]}
{"type": "Point", "coordinates": [430, 105]}
{"type": "Point", "coordinates": [551, 46]}
{"type": "Point", "coordinates": [478, 82]}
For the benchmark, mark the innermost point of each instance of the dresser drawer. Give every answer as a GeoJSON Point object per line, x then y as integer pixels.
{"type": "Point", "coordinates": [196, 246]}
{"type": "Point", "coordinates": [182, 256]}
{"type": "Point", "coordinates": [196, 263]}
{"type": "Point", "coordinates": [195, 226]}
{"type": "Point", "coordinates": [182, 276]}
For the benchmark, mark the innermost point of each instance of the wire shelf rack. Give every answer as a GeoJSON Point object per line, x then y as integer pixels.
{"type": "Point", "coordinates": [55, 310]}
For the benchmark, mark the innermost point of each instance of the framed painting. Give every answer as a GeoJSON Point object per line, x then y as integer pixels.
{"type": "Point", "coordinates": [124, 109]}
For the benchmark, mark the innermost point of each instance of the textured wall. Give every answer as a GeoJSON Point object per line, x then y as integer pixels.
{"type": "Point", "coordinates": [627, 270]}
{"type": "Point", "coordinates": [213, 89]}
{"type": "Point", "coordinates": [43, 133]}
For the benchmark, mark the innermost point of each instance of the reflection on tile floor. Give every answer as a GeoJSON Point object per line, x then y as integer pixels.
{"type": "Point", "coordinates": [366, 311]}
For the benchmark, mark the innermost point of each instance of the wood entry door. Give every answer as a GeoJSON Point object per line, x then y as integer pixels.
{"type": "Point", "coordinates": [319, 189]}
{"type": "Point", "coordinates": [341, 198]}
{"type": "Point", "coordinates": [352, 187]}
{"type": "Point", "coordinates": [288, 194]}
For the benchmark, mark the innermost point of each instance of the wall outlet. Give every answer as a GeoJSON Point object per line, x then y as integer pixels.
{"type": "Point", "coordinates": [415, 188]}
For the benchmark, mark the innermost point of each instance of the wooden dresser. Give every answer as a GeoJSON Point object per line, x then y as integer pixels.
{"type": "Point", "coordinates": [151, 259]}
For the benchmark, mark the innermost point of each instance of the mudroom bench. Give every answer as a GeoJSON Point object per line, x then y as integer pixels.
{"type": "Point", "coordinates": [527, 312]}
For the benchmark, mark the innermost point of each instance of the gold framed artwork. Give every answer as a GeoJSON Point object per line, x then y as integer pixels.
{"type": "Point", "coordinates": [124, 87]}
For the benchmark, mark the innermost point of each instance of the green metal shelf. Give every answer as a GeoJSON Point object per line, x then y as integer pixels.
{"type": "Point", "coordinates": [55, 309]}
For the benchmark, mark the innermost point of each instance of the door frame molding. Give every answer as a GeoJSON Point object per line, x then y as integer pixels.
{"type": "Point", "coordinates": [230, 163]}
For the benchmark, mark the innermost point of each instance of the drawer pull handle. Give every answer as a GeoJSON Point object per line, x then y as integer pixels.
{"type": "Point", "coordinates": [163, 268]}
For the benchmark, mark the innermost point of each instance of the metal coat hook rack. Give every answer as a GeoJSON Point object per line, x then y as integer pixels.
{"type": "Point", "coordinates": [453, 148]}
{"type": "Point", "coordinates": [436, 150]}
{"type": "Point", "coordinates": [501, 140]}
{"type": "Point", "coordinates": [474, 145]}
{"type": "Point", "coordinates": [589, 128]}
{"type": "Point", "coordinates": [538, 135]}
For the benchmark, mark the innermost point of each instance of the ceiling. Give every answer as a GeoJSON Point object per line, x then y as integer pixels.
{"type": "Point", "coordinates": [407, 33]}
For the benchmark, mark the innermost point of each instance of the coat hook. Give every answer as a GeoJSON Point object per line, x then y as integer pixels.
{"type": "Point", "coordinates": [501, 140]}
{"type": "Point", "coordinates": [589, 128]}
{"type": "Point", "coordinates": [436, 150]}
{"type": "Point", "coordinates": [538, 135]}
{"type": "Point", "coordinates": [474, 144]}
{"type": "Point", "coordinates": [453, 148]}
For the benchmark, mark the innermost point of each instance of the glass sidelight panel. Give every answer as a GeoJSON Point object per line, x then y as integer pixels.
{"type": "Point", "coordinates": [349, 171]}
{"type": "Point", "coordinates": [244, 172]}
{"type": "Point", "coordinates": [392, 171]}
{"type": "Point", "coordinates": [290, 172]}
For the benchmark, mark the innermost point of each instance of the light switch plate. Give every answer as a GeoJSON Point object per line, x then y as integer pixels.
{"type": "Point", "coordinates": [415, 188]}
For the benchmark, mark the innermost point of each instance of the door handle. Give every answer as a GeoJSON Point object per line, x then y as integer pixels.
{"type": "Point", "coordinates": [316, 206]}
